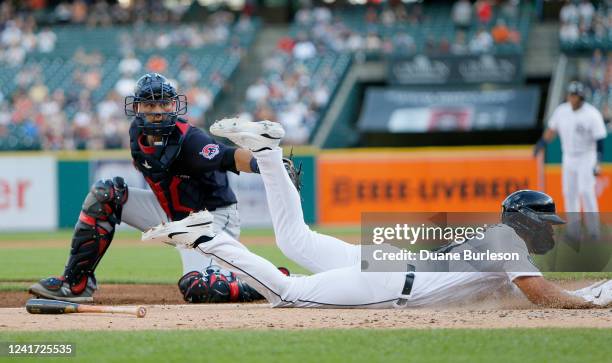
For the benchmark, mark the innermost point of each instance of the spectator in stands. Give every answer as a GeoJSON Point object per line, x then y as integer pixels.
{"type": "Point", "coordinates": [569, 13]}
{"type": "Point", "coordinates": [91, 79]}
{"type": "Point", "coordinates": [444, 46]}
{"type": "Point", "coordinates": [387, 17]}
{"type": "Point", "coordinates": [257, 92]}
{"type": "Point", "coordinates": [510, 9]}
{"type": "Point", "coordinates": [586, 11]}
{"type": "Point", "coordinates": [569, 32]}
{"type": "Point", "coordinates": [38, 92]}
{"type": "Point", "coordinates": [99, 14]}
{"type": "Point", "coordinates": [320, 96]}
{"type": "Point", "coordinates": [371, 16]}
{"type": "Point", "coordinates": [600, 28]}
{"type": "Point", "coordinates": [82, 129]}
{"type": "Point", "coordinates": [484, 10]}
{"type": "Point", "coordinates": [27, 76]}
{"type": "Point", "coordinates": [200, 99]}
{"type": "Point", "coordinates": [304, 48]}
{"type": "Point", "coordinates": [373, 43]}
{"type": "Point", "coordinates": [110, 108]}
{"type": "Point", "coordinates": [597, 70]}
{"type": "Point", "coordinates": [125, 86]}
{"type": "Point", "coordinates": [459, 47]}
{"type": "Point", "coordinates": [54, 122]}
{"type": "Point", "coordinates": [430, 46]}
{"type": "Point", "coordinates": [500, 32]}
{"type": "Point", "coordinates": [157, 64]}
{"type": "Point", "coordinates": [322, 15]}
{"type": "Point", "coordinates": [79, 12]}
{"type": "Point", "coordinates": [63, 12]}
{"type": "Point", "coordinates": [130, 65]}
{"type": "Point", "coordinates": [304, 16]}
{"type": "Point", "coordinates": [189, 75]}
{"type": "Point", "coordinates": [482, 42]}
{"type": "Point", "coordinates": [403, 43]}
{"type": "Point", "coordinates": [46, 40]}
{"type": "Point", "coordinates": [462, 14]}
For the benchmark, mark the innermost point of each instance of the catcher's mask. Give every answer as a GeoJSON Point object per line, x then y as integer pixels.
{"type": "Point", "coordinates": [153, 88]}
{"type": "Point", "coordinates": [532, 214]}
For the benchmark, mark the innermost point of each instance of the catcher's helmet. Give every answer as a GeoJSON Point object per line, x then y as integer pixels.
{"type": "Point", "coordinates": [531, 214]}
{"type": "Point", "coordinates": [576, 88]}
{"type": "Point", "coordinates": [155, 88]}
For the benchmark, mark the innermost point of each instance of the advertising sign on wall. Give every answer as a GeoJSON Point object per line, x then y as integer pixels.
{"type": "Point", "coordinates": [451, 181]}
{"type": "Point", "coordinates": [445, 70]}
{"type": "Point", "coordinates": [28, 193]}
{"type": "Point", "coordinates": [400, 110]}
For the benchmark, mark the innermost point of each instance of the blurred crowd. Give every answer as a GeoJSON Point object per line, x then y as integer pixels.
{"type": "Point", "coordinates": [68, 117]}
{"type": "Point", "coordinates": [20, 35]}
{"type": "Point", "coordinates": [100, 12]}
{"type": "Point", "coordinates": [393, 28]}
{"type": "Point", "coordinates": [291, 92]}
{"type": "Point", "coordinates": [222, 28]}
{"type": "Point", "coordinates": [85, 109]}
{"type": "Point", "coordinates": [581, 19]}
{"type": "Point", "coordinates": [598, 75]}
{"type": "Point", "coordinates": [299, 77]}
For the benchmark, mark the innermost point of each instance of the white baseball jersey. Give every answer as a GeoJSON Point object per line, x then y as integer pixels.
{"type": "Point", "coordinates": [338, 280]}
{"type": "Point", "coordinates": [578, 130]}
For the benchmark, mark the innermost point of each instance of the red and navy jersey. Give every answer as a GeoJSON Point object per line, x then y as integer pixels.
{"type": "Point", "coordinates": [188, 173]}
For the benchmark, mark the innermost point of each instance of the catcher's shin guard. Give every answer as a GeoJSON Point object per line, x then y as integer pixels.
{"type": "Point", "coordinates": [94, 230]}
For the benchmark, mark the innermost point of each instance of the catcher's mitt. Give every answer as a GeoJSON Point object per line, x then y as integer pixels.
{"type": "Point", "coordinates": [294, 174]}
{"type": "Point", "coordinates": [215, 285]}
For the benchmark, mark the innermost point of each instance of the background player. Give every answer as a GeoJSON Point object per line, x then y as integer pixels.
{"type": "Point", "coordinates": [186, 170]}
{"type": "Point", "coordinates": [338, 282]}
{"type": "Point", "coordinates": [582, 131]}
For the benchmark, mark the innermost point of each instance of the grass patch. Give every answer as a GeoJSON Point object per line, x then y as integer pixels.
{"type": "Point", "coordinates": [149, 264]}
{"type": "Point", "coordinates": [121, 264]}
{"type": "Point", "coordinates": [359, 345]}
{"type": "Point", "coordinates": [66, 233]}
{"type": "Point", "coordinates": [14, 286]}
{"type": "Point", "coordinates": [574, 276]}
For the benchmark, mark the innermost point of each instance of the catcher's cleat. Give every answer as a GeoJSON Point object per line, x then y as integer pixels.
{"type": "Point", "coordinates": [255, 136]}
{"type": "Point", "coordinates": [188, 232]}
{"type": "Point", "coordinates": [57, 288]}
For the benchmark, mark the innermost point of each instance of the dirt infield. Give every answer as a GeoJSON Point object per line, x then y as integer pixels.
{"type": "Point", "coordinates": [111, 295]}
{"type": "Point", "coordinates": [260, 316]}
{"type": "Point", "coordinates": [167, 311]}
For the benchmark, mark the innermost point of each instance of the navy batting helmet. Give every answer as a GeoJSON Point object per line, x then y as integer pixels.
{"type": "Point", "coordinates": [576, 88]}
{"type": "Point", "coordinates": [531, 214]}
{"type": "Point", "coordinates": [155, 88]}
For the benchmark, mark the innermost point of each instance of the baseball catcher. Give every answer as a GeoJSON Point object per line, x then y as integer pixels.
{"type": "Point", "coordinates": [186, 171]}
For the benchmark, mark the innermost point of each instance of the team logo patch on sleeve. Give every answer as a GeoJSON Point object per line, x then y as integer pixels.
{"type": "Point", "coordinates": [210, 151]}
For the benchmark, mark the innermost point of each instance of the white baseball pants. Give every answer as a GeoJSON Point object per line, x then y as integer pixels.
{"type": "Point", "coordinates": [579, 186]}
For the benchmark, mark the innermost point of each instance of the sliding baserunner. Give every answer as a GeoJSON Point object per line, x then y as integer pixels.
{"type": "Point", "coordinates": [338, 282]}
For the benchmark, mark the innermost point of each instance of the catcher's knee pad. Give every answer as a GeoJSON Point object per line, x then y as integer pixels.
{"type": "Point", "coordinates": [94, 230]}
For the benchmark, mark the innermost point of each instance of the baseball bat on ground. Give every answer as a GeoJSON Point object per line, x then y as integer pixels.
{"type": "Point", "coordinates": [45, 306]}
